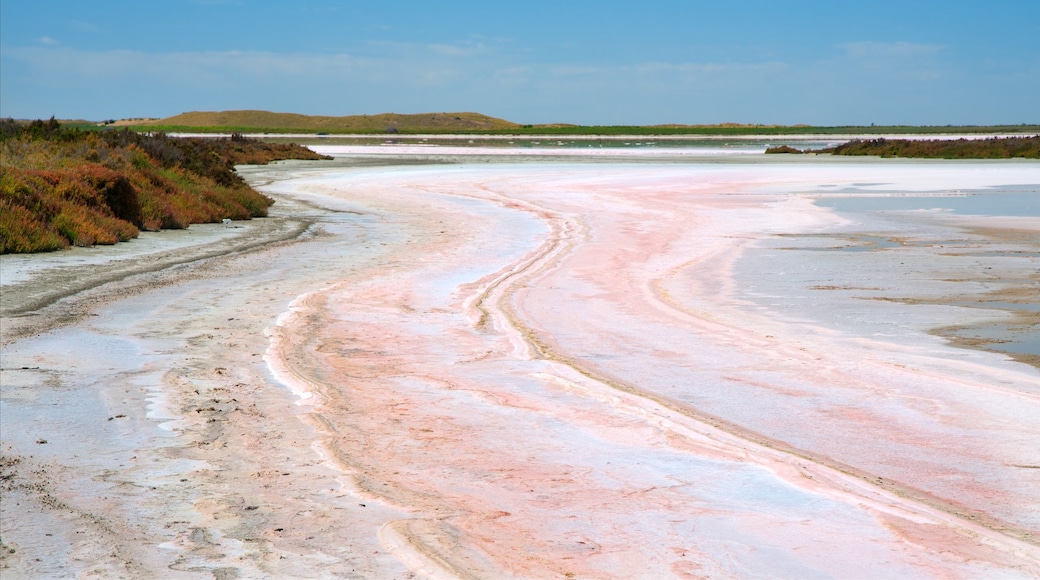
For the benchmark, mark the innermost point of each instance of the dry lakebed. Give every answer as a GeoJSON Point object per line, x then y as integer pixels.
{"type": "Point", "coordinates": [489, 363]}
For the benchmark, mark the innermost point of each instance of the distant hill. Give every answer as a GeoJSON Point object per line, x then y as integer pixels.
{"type": "Point", "coordinates": [475, 123]}
{"type": "Point", "coordinates": [383, 123]}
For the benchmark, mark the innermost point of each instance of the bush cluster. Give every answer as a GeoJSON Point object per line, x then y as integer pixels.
{"type": "Point", "coordinates": [784, 149]}
{"type": "Point", "coordinates": [992, 148]}
{"type": "Point", "coordinates": [61, 187]}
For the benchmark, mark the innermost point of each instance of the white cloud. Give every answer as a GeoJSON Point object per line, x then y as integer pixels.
{"type": "Point", "coordinates": [870, 65]}
{"type": "Point", "coordinates": [48, 41]}
{"type": "Point", "coordinates": [380, 77]}
{"type": "Point", "coordinates": [86, 26]}
{"type": "Point", "coordinates": [691, 70]}
{"type": "Point", "coordinates": [577, 71]}
{"type": "Point", "coordinates": [456, 50]}
{"type": "Point", "coordinates": [65, 64]}
{"type": "Point", "coordinates": [857, 82]}
{"type": "Point", "coordinates": [889, 49]}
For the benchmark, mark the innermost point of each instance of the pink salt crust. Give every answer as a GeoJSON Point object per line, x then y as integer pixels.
{"type": "Point", "coordinates": [590, 398]}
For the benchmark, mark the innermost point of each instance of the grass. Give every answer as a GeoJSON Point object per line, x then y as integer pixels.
{"type": "Point", "coordinates": [62, 187]}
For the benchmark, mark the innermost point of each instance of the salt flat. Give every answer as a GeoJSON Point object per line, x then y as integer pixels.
{"type": "Point", "coordinates": [558, 367]}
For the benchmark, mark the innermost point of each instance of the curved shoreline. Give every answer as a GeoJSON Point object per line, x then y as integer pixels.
{"type": "Point", "coordinates": [68, 280]}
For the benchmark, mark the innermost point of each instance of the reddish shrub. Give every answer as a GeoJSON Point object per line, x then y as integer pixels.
{"type": "Point", "coordinates": [70, 187]}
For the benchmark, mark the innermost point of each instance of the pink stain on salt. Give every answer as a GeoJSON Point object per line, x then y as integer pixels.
{"type": "Point", "coordinates": [591, 398]}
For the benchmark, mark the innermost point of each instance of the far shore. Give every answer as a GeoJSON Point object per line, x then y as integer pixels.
{"type": "Point", "coordinates": [622, 138]}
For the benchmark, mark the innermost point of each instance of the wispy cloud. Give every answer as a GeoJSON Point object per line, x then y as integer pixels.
{"type": "Point", "coordinates": [889, 49]}
{"type": "Point", "coordinates": [879, 63]}
{"type": "Point", "coordinates": [457, 50]}
{"type": "Point", "coordinates": [577, 70]}
{"type": "Point", "coordinates": [485, 75]}
{"type": "Point", "coordinates": [383, 76]}
{"type": "Point", "coordinates": [178, 66]}
{"type": "Point", "coordinates": [690, 70]}
{"type": "Point", "coordinates": [85, 26]}
{"type": "Point", "coordinates": [48, 41]}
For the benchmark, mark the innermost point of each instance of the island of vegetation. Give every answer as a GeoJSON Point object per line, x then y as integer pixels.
{"type": "Point", "coordinates": [62, 186]}
{"type": "Point", "coordinates": [993, 148]}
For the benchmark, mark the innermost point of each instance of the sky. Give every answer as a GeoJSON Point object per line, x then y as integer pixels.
{"type": "Point", "coordinates": [603, 62]}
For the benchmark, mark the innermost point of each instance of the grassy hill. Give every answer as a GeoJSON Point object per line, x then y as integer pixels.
{"type": "Point", "coordinates": [249, 121]}
{"type": "Point", "coordinates": [266, 121]}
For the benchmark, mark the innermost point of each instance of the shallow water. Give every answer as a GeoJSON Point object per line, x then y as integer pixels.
{"type": "Point", "coordinates": [998, 202]}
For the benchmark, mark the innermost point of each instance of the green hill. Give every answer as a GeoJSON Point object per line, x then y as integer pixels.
{"type": "Point", "coordinates": [250, 121]}
{"type": "Point", "coordinates": [383, 123]}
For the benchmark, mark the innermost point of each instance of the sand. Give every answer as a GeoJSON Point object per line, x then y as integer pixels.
{"type": "Point", "coordinates": [563, 367]}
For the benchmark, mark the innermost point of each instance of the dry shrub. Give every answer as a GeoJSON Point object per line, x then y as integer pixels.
{"type": "Point", "coordinates": [21, 231]}
{"type": "Point", "coordinates": [85, 227]}
{"type": "Point", "coordinates": [60, 187]}
{"type": "Point", "coordinates": [992, 148]}
{"type": "Point", "coordinates": [74, 205]}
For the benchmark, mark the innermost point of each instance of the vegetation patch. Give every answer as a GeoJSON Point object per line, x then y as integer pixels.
{"type": "Point", "coordinates": [785, 149]}
{"type": "Point", "coordinates": [992, 148]}
{"type": "Point", "coordinates": [62, 186]}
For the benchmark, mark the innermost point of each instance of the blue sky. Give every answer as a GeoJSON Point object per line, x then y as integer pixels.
{"type": "Point", "coordinates": [586, 62]}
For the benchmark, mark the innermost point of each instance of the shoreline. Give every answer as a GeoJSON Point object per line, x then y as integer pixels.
{"type": "Point", "coordinates": [145, 433]}
{"type": "Point", "coordinates": [41, 281]}
{"type": "Point", "coordinates": [636, 137]}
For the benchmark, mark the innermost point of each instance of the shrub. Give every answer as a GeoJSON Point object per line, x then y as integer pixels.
{"type": "Point", "coordinates": [992, 148]}
{"type": "Point", "coordinates": [62, 186]}
{"type": "Point", "coordinates": [21, 231]}
{"type": "Point", "coordinates": [783, 149]}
